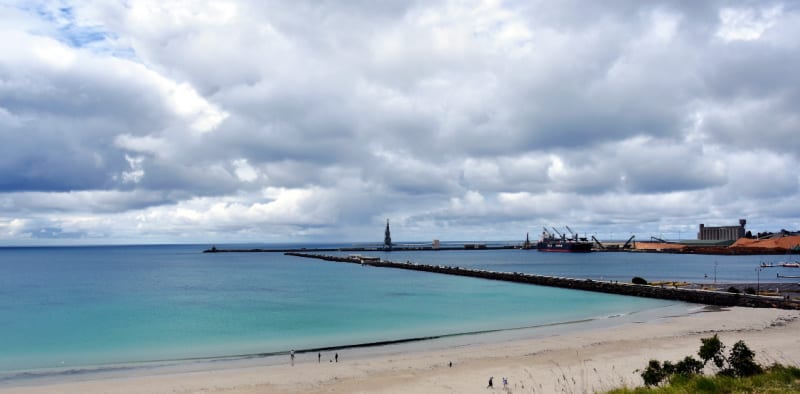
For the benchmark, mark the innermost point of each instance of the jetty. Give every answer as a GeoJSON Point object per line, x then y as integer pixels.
{"type": "Point", "coordinates": [698, 296]}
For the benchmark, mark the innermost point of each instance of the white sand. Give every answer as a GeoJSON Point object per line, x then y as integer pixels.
{"type": "Point", "coordinates": [583, 361]}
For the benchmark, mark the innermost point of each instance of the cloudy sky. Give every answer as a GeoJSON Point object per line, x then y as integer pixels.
{"type": "Point", "coordinates": [148, 121]}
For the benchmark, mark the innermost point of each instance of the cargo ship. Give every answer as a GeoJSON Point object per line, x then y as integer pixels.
{"type": "Point", "coordinates": [550, 242]}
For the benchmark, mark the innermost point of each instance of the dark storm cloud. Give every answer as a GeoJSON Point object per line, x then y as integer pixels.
{"type": "Point", "coordinates": [61, 118]}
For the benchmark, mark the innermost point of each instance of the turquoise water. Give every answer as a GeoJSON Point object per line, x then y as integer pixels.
{"type": "Point", "coordinates": [80, 306]}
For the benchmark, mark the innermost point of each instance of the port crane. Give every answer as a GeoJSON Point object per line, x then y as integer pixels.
{"type": "Point", "coordinates": [628, 242]}
{"type": "Point", "coordinates": [559, 234]}
{"type": "Point", "coordinates": [574, 234]}
{"type": "Point", "coordinates": [600, 245]}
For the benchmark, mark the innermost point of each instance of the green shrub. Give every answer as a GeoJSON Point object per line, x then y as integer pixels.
{"type": "Point", "coordinates": [733, 290]}
{"type": "Point", "coordinates": [712, 349]}
{"type": "Point", "coordinates": [654, 374]}
{"type": "Point", "coordinates": [741, 361]}
{"type": "Point", "coordinates": [689, 366]}
{"type": "Point", "coordinates": [668, 367]}
{"type": "Point", "coordinates": [776, 379]}
{"type": "Point", "coordinates": [638, 280]}
{"type": "Point", "coordinates": [750, 290]}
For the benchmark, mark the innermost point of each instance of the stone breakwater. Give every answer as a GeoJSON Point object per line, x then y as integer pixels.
{"type": "Point", "coordinates": [707, 297]}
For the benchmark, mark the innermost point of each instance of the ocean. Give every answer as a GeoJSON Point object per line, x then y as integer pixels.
{"type": "Point", "coordinates": [68, 308]}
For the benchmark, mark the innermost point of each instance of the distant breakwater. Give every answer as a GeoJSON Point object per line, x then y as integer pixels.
{"type": "Point", "coordinates": [706, 297]}
{"type": "Point", "coordinates": [214, 249]}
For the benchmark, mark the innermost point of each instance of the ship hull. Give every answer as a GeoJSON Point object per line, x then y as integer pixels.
{"type": "Point", "coordinates": [569, 247]}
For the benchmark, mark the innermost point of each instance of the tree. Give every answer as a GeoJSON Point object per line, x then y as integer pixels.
{"type": "Point", "coordinates": [689, 366]}
{"type": "Point", "coordinates": [653, 374]}
{"type": "Point", "coordinates": [741, 361]}
{"type": "Point", "coordinates": [712, 349]}
{"type": "Point", "coordinates": [656, 372]}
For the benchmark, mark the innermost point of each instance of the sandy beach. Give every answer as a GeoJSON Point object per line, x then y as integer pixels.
{"type": "Point", "coordinates": [580, 361]}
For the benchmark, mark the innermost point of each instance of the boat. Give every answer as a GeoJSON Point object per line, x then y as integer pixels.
{"type": "Point", "coordinates": [767, 265]}
{"type": "Point", "coordinates": [790, 265]}
{"type": "Point", "coordinates": [550, 242]}
{"type": "Point", "coordinates": [788, 276]}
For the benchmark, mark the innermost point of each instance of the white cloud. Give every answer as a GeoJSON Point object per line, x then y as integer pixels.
{"type": "Point", "coordinates": [204, 117]}
{"type": "Point", "coordinates": [746, 24]}
{"type": "Point", "coordinates": [11, 228]}
{"type": "Point", "coordinates": [136, 173]}
{"type": "Point", "coordinates": [244, 171]}
{"type": "Point", "coordinates": [142, 144]}
{"type": "Point", "coordinates": [54, 55]}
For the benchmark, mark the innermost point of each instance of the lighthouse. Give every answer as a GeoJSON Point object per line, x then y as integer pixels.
{"type": "Point", "coordinates": [387, 238]}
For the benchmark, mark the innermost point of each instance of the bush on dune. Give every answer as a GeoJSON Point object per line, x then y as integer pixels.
{"type": "Point", "coordinates": [777, 379]}
{"type": "Point", "coordinates": [737, 372]}
{"type": "Point", "coordinates": [740, 362]}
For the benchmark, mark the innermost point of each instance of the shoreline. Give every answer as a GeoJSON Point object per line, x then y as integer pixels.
{"type": "Point", "coordinates": [35, 377]}
{"type": "Point", "coordinates": [590, 359]}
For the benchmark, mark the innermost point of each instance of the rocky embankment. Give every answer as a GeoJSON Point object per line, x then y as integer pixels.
{"type": "Point", "coordinates": [698, 296]}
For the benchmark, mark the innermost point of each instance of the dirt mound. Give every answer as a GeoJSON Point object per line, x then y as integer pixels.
{"type": "Point", "coordinates": [788, 242]}
{"type": "Point", "coordinates": [656, 246]}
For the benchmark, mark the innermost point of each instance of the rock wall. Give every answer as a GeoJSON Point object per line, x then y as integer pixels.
{"type": "Point", "coordinates": [663, 292]}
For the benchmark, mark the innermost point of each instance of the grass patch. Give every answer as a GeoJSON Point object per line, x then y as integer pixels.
{"type": "Point", "coordinates": [776, 379]}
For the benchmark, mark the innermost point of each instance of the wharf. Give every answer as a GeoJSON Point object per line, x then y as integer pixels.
{"type": "Point", "coordinates": [699, 296]}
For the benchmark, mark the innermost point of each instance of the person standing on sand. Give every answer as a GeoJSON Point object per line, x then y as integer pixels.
{"type": "Point", "coordinates": [319, 358]}
{"type": "Point", "coordinates": [336, 357]}
{"type": "Point", "coordinates": [490, 383]}
{"type": "Point", "coordinates": [291, 355]}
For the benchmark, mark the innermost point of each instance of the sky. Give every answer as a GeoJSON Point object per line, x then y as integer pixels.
{"type": "Point", "coordinates": [148, 121]}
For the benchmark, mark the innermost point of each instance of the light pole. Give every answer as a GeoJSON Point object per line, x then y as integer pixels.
{"type": "Point", "coordinates": [715, 272]}
{"type": "Point", "coordinates": [758, 280]}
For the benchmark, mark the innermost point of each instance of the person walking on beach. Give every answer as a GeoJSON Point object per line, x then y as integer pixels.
{"type": "Point", "coordinates": [319, 358]}
{"type": "Point", "coordinates": [336, 357]}
{"type": "Point", "coordinates": [291, 355]}
{"type": "Point", "coordinates": [490, 383]}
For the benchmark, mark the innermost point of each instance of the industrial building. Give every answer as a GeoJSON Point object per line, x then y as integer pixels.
{"type": "Point", "coordinates": [722, 233]}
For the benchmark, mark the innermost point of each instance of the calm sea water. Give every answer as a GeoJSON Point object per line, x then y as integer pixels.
{"type": "Point", "coordinates": [68, 307]}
